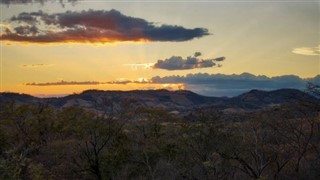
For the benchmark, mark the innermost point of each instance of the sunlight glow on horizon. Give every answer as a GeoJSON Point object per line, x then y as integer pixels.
{"type": "Point", "coordinates": [51, 91]}
{"type": "Point", "coordinates": [271, 39]}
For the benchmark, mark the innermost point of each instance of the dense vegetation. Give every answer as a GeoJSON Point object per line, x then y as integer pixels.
{"type": "Point", "coordinates": [134, 142]}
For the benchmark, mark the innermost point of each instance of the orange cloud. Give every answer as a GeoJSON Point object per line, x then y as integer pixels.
{"type": "Point", "coordinates": [93, 26]}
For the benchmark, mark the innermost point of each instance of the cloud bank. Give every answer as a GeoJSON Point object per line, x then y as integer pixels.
{"type": "Point", "coordinates": [209, 84]}
{"type": "Point", "coordinates": [308, 51]}
{"type": "Point", "coordinates": [231, 85]}
{"type": "Point", "coordinates": [68, 83]}
{"type": "Point", "coordinates": [93, 26]}
{"type": "Point", "coordinates": [179, 63]}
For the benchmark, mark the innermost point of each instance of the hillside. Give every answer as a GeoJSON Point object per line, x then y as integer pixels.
{"type": "Point", "coordinates": [257, 99]}
{"type": "Point", "coordinates": [170, 100]}
{"type": "Point", "coordinates": [188, 136]}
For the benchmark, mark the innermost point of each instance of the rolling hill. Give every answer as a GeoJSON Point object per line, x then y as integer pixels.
{"type": "Point", "coordinates": [181, 100]}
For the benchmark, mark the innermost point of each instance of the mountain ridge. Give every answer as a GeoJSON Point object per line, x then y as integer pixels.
{"type": "Point", "coordinates": [180, 100]}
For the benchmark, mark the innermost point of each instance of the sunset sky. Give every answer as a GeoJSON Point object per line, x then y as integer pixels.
{"type": "Point", "coordinates": [215, 47]}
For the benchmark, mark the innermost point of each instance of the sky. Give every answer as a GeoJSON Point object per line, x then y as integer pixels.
{"type": "Point", "coordinates": [214, 48]}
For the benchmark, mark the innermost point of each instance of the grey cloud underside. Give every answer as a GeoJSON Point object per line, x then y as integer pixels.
{"type": "Point", "coordinates": [179, 63]}
{"type": "Point", "coordinates": [231, 85]}
{"type": "Point", "coordinates": [94, 26]}
{"type": "Point", "coordinates": [23, 30]}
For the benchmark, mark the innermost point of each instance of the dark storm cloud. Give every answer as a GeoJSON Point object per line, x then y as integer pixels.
{"type": "Point", "coordinates": [29, 18]}
{"type": "Point", "coordinates": [24, 30]}
{"type": "Point", "coordinates": [230, 85]}
{"type": "Point", "coordinates": [96, 27]}
{"type": "Point", "coordinates": [179, 63]}
{"type": "Point", "coordinates": [220, 59]}
{"type": "Point", "coordinates": [173, 33]}
{"type": "Point", "coordinates": [196, 54]}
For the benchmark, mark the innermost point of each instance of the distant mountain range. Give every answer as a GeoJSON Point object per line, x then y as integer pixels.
{"type": "Point", "coordinates": [179, 101]}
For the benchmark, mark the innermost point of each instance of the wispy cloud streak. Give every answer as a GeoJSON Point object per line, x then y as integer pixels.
{"type": "Point", "coordinates": [35, 65]}
{"type": "Point", "coordinates": [68, 83]}
{"type": "Point", "coordinates": [140, 65]}
{"type": "Point", "coordinates": [13, 2]}
{"type": "Point", "coordinates": [308, 51]}
{"type": "Point", "coordinates": [64, 83]}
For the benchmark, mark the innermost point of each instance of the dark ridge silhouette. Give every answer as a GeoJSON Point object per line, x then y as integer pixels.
{"type": "Point", "coordinates": [181, 100]}
{"type": "Point", "coordinates": [17, 98]}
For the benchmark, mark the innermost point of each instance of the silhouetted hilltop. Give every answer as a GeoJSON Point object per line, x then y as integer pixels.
{"type": "Point", "coordinates": [17, 98]}
{"type": "Point", "coordinates": [256, 99]}
{"type": "Point", "coordinates": [149, 98]}
{"type": "Point", "coordinates": [181, 100]}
